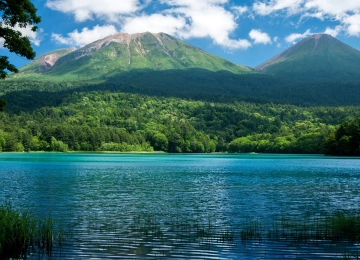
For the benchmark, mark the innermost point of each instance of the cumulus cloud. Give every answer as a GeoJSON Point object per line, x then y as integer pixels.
{"type": "Point", "coordinates": [260, 37]}
{"type": "Point", "coordinates": [197, 3]}
{"type": "Point", "coordinates": [154, 23]}
{"type": "Point", "coordinates": [334, 31]}
{"type": "Point", "coordinates": [352, 24]}
{"type": "Point", "coordinates": [210, 21]}
{"type": "Point", "coordinates": [183, 18]}
{"type": "Point", "coordinates": [34, 37]}
{"type": "Point", "coordinates": [345, 12]}
{"type": "Point", "coordinates": [79, 39]}
{"type": "Point", "coordinates": [292, 38]}
{"type": "Point", "coordinates": [191, 19]}
{"type": "Point", "coordinates": [333, 7]}
{"type": "Point", "coordinates": [240, 10]}
{"type": "Point", "coordinates": [86, 9]}
{"type": "Point", "coordinates": [268, 7]}
{"type": "Point", "coordinates": [326, 7]}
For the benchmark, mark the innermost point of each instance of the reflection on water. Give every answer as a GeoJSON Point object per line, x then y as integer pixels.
{"type": "Point", "coordinates": [160, 206]}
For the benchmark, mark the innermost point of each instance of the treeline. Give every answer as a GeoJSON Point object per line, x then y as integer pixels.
{"type": "Point", "coordinates": [196, 84]}
{"type": "Point", "coordinates": [106, 121]}
{"type": "Point", "coordinates": [62, 138]}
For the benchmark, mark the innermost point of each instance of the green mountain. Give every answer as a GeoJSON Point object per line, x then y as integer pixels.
{"type": "Point", "coordinates": [161, 65]}
{"type": "Point", "coordinates": [120, 53]}
{"type": "Point", "coordinates": [319, 57]}
{"type": "Point", "coordinates": [147, 92]}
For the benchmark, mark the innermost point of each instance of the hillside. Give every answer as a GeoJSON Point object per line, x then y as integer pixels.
{"type": "Point", "coordinates": [120, 53]}
{"type": "Point", "coordinates": [161, 65]}
{"type": "Point", "coordinates": [148, 92]}
{"type": "Point", "coordinates": [319, 57]}
{"type": "Point", "coordinates": [104, 120]}
{"type": "Point", "coordinates": [42, 63]}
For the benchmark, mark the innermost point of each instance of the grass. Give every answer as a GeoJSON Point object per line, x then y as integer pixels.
{"type": "Point", "coordinates": [333, 228]}
{"type": "Point", "coordinates": [20, 231]}
{"type": "Point", "coordinates": [16, 231]}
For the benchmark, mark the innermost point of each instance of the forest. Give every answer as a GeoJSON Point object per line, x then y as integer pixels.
{"type": "Point", "coordinates": [345, 140]}
{"type": "Point", "coordinates": [63, 117]}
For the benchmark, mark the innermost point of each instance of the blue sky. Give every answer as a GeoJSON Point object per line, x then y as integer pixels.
{"type": "Point", "coordinates": [246, 32]}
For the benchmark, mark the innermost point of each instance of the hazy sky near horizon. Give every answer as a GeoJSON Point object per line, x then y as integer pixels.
{"type": "Point", "coordinates": [246, 32]}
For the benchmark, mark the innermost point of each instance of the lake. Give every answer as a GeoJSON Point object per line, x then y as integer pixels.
{"type": "Point", "coordinates": [162, 206]}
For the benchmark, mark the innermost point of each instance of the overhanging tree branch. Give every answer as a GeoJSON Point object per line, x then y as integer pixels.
{"type": "Point", "coordinates": [21, 13]}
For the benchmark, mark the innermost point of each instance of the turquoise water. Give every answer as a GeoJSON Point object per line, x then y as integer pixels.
{"type": "Point", "coordinates": [133, 205]}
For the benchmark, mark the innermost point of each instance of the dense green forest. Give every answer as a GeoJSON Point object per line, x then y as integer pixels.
{"type": "Point", "coordinates": [345, 140]}
{"type": "Point", "coordinates": [103, 120]}
{"type": "Point", "coordinates": [221, 86]}
{"type": "Point", "coordinates": [158, 93]}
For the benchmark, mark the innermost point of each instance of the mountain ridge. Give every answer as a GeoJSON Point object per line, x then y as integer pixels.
{"type": "Point", "coordinates": [317, 57]}
{"type": "Point", "coordinates": [122, 52]}
{"type": "Point", "coordinates": [160, 64]}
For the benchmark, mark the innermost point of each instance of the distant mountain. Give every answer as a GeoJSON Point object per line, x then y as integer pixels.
{"type": "Point", "coordinates": [119, 53]}
{"type": "Point", "coordinates": [159, 64]}
{"type": "Point", "coordinates": [317, 57]}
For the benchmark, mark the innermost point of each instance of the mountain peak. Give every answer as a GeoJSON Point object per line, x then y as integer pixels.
{"type": "Point", "coordinates": [120, 53]}
{"type": "Point", "coordinates": [126, 37]}
{"type": "Point", "coordinates": [318, 36]}
{"type": "Point", "coordinates": [325, 38]}
{"type": "Point", "coordinates": [317, 57]}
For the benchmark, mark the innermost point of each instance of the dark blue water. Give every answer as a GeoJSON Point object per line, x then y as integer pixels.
{"type": "Point", "coordinates": [151, 206]}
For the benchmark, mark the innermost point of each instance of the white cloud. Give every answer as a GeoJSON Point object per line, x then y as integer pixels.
{"type": "Point", "coordinates": [191, 19]}
{"type": "Point", "coordinates": [352, 24]}
{"type": "Point", "coordinates": [276, 40]}
{"type": "Point", "coordinates": [79, 39]}
{"type": "Point", "coordinates": [268, 7]}
{"type": "Point", "coordinates": [236, 44]}
{"type": "Point", "coordinates": [154, 23]}
{"type": "Point", "coordinates": [240, 10]}
{"type": "Point", "coordinates": [345, 12]}
{"type": "Point", "coordinates": [327, 7]}
{"type": "Point", "coordinates": [209, 21]}
{"type": "Point", "coordinates": [192, 3]}
{"type": "Point", "coordinates": [292, 38]}
{"type": "Point", "coordinates": [182, 18]}
{"type": "Point", "coordinates": [334, 31]}
{"type": "Point", "coordinates": [34, 37]}
{"type": "Point", "coordinates": [260, 37]}
{"type": "Point", "coordinates": [333, 7]}
{"type": "Point", "coordinates": [86, 9]}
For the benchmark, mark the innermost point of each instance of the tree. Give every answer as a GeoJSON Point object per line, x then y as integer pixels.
{"type": "Point", "coordinates": [2, 104]}
{"type": "Point", "coordinates": [345, 140]}
{"type": "Point", "coordinates": [20, 13]}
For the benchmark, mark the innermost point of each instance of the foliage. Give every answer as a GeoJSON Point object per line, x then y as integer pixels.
{"type": "Point", "coordinates": [198, 84]}
{"type": "Point", "coordinates": [16, 230]}
{"type": "Point", "coordinates": [21, 13]}
{"type": "Point", "coordinates": [2, 104]}
{"type": "Point", "coordinates": [345, 140]}
{"type": "Point", "coordinates": [102, 120]}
